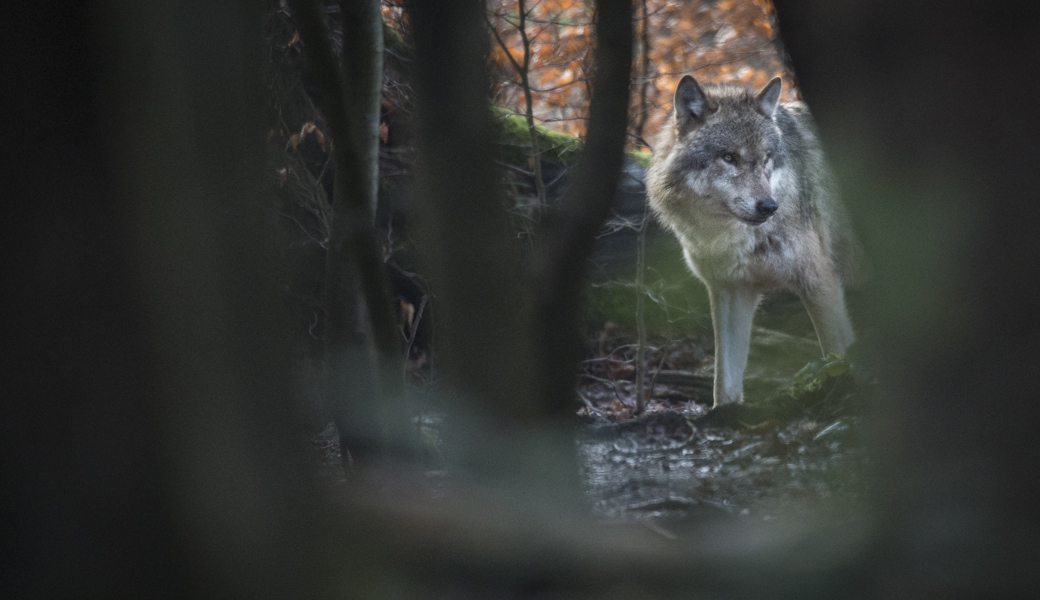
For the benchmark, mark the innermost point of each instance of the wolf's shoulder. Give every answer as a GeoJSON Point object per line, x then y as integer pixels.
{"type": "Point", "coordinates": [791, 116]}
{"type": "Point", "coordinates": [797, 127]}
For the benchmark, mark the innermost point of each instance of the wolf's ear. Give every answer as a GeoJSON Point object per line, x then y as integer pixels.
{"type": "Point", "coordinates": [766, 100]}
{"type": "Point", "coordinates": [690, 102]}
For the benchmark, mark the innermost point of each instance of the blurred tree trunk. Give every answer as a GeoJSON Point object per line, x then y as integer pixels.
{"type": "Point", "coordinates": [466, 235]}
{"type": "Point", "coordinates": [365, 391]}
{"type": "Point", "coordinates": [484, 340]}
{"type": "Point", "coordinates": [561, 258]}
{"type": "Point", "coordinates": [522, 370]}
{"type": "Point", "coordinates": [150, 447]}
{"type": "Point", "coordinates": [932, 121]}
{"type": "Point", "coordinates": [486, 352]}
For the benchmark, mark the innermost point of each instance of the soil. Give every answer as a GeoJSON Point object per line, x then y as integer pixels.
{"type": "Point", "coordinates": [795, 447]}
{"type": "Point", "coordinates": [792, 450]}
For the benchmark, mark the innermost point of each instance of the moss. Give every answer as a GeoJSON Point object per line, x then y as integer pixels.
{"type": "Point", "coordinates": [817, 380]}
{"type": "Point", "coordinates": [676, 302]}
{"type": "Point", "coordinates": [394, 42]}
{"type": "Point", "coordinates": [640, 157]}
{"type": "Point", "coordinates": [616, 302]}
{"type": "Point", "coordinates": [825, 388]}
{"type": "Point", "coordinates": [555, 146]}
{"type": "Point", "coordinates": [515, 140]}
{"type": "Point", "coordinates": [398, 53]}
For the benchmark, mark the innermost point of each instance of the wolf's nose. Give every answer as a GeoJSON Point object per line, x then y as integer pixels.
{"type": "Point", "coordinates": [765, 207]}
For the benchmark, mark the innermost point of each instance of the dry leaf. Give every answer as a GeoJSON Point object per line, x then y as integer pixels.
{"type": "Point", "coordinates": [297, 138]}
{"type": "Point", "coordinates": [384, 132]}
{"type": "Point", "coordinates": [407, 314]}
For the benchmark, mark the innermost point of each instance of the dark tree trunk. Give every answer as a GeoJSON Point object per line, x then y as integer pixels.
{"type": "Point", "coordinates": [560, 262]}
{"type": "Point", "coordinates": [464, 235]}
{"type": "Point", "coordinates": [929, 112]}
{"type": "Point", "coordinates": [149, 442]}
{"type": "Point", "coordinates": [366, 391]}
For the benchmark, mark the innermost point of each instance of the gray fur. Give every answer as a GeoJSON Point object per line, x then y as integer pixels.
{"type": "Point", "coordinates": [721, 156]}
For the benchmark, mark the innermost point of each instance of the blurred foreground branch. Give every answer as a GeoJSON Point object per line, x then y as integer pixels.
{"type": "Point", "coordinates": [350, 101]}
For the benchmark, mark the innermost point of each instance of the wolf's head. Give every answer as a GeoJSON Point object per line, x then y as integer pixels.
{"type": "Point", "coordinates": [724, 148]}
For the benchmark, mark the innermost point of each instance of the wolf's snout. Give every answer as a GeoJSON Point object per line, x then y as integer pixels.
{"type": "Point", "coordinates": [765, 207]}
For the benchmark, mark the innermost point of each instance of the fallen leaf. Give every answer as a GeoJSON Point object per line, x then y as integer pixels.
{"type": "Point", "coordinates": [407, 314]}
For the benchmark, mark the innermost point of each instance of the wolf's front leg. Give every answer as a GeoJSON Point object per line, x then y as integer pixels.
{"type": "Point", "coordinates": [732, 310]}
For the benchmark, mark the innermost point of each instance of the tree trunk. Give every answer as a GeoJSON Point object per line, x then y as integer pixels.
{"type": "Point", "coordinates": [350, 102]}
{"type": "Point", "coordinates": [560, 261]}
{"type": "Point", "coordinates": [150, 445]}
{"type": "Point", "coordinates": [464, 233]}
{"type": "Point", "coordinates": [932, 123]}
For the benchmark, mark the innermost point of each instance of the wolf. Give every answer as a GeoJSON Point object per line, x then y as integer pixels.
{"type": "Point", "coordinates": [741, 181]}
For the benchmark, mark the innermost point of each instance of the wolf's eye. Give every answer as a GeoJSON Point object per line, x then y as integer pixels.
{"type": "Point", "coordinates": [729, 157]}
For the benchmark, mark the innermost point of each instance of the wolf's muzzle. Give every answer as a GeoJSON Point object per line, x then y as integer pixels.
{"type": "Point", "coordinates": [765, 207]}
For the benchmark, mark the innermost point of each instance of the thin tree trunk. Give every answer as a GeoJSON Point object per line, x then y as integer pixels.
{"type": "Point", "coordinates": [536, 156]}
{"type": "Point", "coordinates": [644, 70]}
{"type": "Point", "coordinates": [523, 70]}
{"type": "Point", "coordinates": [641, 313]}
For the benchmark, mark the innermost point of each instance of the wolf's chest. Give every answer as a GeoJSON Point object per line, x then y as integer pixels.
{"type": "Point", "coordinates": [742, 255]}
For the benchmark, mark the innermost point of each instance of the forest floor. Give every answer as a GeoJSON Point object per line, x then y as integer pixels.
{"type": "Point", "coordinates": [795, 446]}
{"type": "Point", "coordinates": [792, 450]}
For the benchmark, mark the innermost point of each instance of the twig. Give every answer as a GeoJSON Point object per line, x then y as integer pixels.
{"type": "Point", "coordinates": [640, 314]}
{"type": "Point", "coordinates": [589, 405]}
{"type": "Point", "coordinates": [523, 71]}
{"type": "Point", "coordinates": [660, 364]}
{"type": "Point", "coordinates": [415, 329]}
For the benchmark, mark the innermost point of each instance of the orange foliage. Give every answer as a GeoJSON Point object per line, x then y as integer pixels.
{"type": "Point", "coordinates": [715, 40]}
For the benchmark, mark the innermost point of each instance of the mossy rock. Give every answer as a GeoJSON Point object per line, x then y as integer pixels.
{"type": "Point", "coordinates": [640, 157]}
{"type": "Point", "coordinates": [514, 139]}
{"type": "Point", "coordinates": [829, 383]}
{"type": "Point", "coordinates": [554, 146]}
